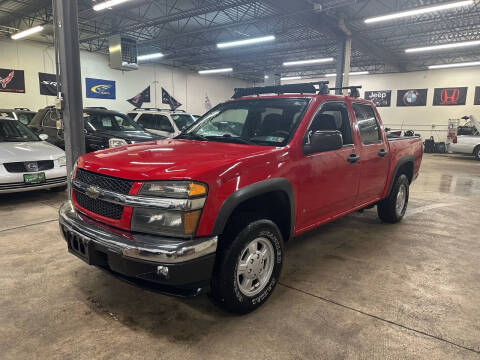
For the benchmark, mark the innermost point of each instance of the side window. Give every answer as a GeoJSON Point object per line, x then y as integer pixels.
{"type": "Point", "coordinates": [51, 118]}
{"type": "Point", "coordinates": [146, 120]}
{"type": "Point", "coordinates": [163, 123]}
{"type": "Point", "coordinates": [334, 116]}
{"type": "Point", "coordinates": [367, 123]}
{"type": "Point", "coordinates": [132, 115]}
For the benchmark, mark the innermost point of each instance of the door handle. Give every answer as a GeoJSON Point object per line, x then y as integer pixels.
{"type": "Point", "coordinates": [353, 158]}
{"type": "Point", "coordinates": [382, 153]}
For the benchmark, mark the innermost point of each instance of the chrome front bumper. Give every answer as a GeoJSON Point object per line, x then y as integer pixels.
{"type": "Point", "coordinates": [134, 246]}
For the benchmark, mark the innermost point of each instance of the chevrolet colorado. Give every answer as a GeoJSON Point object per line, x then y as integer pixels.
{"type": "Point", "coordinates": [212, 208]}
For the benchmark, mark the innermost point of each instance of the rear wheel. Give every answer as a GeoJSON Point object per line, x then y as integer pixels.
{"type": "Point", "coordinates": [476, 153]}
{"type": "Point", "coordinates": [392, 209]}
{"type": "Point", "coordinates": [248, 267]}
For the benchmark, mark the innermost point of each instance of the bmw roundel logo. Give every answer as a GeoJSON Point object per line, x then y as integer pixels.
{"type": "Point", "coordinates": [410, 97]}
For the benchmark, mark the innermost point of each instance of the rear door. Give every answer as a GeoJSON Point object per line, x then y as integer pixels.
{"type": "Point", "coordinates": [374, 158]}
{"type": "Point", "coordinates": [330, 184]}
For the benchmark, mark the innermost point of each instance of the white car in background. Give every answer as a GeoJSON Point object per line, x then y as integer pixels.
{"type": "Point", "coordinates": [161, 121]}
{"type": "Point", "coordinates": [467, 144]}
{"type": "Point", "coordinates": [27, 162]}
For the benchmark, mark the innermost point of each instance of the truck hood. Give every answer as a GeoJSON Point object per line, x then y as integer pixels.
{"type": "Point", "coordinates": [137, 136]}
{"type": "Point", "coordinates": [28, 151]}
{"type": "Point", "coordinates": [169, 159]}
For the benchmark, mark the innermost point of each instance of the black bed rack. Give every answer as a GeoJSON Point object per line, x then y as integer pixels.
{"type": "Point", "coordinates": [353, 90]}
{"type": "Point", "coordinates": [303, 88]}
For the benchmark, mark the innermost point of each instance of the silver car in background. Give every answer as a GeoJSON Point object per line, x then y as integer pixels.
{"type": "Point", "coordinates": [467, 144]}
{"type": "Point", "coordinates": [27, 162]}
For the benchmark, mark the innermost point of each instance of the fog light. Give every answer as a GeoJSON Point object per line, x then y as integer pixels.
{"type": "Point", "coordinates": [162, 270]}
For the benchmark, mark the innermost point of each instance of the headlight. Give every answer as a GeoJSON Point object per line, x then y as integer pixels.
{"type": "Point", "coordinates": [183, 220]}
{"type": "Point", "coordinates": [62, 161]}
{"type": "Point", "coordinates": [174, 189]}
{"type": "Point", "coordinates": [113, 142]}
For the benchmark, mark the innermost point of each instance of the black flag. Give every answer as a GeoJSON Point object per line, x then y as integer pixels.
{"type": "Point", "coordinates": [167, 99]}
{"type": "Point", "coordinates": [141, 98]}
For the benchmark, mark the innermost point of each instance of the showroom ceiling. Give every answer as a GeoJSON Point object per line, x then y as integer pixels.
{"type": "Point", "coordinates": [187, 31]}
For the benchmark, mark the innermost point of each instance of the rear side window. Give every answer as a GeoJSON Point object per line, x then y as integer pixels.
{"type": "Point", "coordinates": [367, 123]}
{"type": "Point", "coordinates": [156, 122]}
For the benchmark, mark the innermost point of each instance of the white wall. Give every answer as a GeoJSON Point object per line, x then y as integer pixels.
{"type": "Point", "coordinates": [426, 120]}
{"type": "Point", "coordinates": [187, 87]}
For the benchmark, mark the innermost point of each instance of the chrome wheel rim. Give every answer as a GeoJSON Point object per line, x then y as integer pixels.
{"type": "Point", "coordinates": [255, 266]}
{"type": "Point", "coordinates": [401, 199]}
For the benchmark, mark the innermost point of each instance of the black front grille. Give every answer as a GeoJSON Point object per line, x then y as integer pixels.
{"type": "Point", "coordinates": [100, 207]}
{"type": "Point", "coordinates": [117, 185]}
{"type": "Point", "coordinates": [29, 166]}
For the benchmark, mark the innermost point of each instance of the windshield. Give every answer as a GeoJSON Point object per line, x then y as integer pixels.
{"type": "Point", "coordinates": [13, 130]}
{"type": "Point", "coordinates": [105, 122]}
{"type": "Point", "coordinates": [183, 120]}
{"type": "Point", "coordinates": [253, 121]}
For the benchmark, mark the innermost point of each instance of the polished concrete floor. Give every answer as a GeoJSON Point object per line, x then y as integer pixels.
{"type": "Point", "coordinates": [353, 289]}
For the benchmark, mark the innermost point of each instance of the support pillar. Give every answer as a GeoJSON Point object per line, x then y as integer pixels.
{"type": "Point", "coordinates": [67, 51]}
{"type": "Point", "coordinates": [343, 63]}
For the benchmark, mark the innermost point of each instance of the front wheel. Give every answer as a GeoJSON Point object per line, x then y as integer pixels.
{"type": "Point", "coordinates": [476, 153]}
{"type": "Point", "coordinates": [248, 267]}
{"type": "Point", "coordinates": [392, 209]}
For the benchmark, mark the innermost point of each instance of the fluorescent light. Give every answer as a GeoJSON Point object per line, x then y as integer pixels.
{"type": "Point", "coordinates": [446, 66]}
{"type": "Point", "coordinates": [265, 77]}
{"type": "Point", "coordinates": [350, 74]}
{"type": "Point", "coordinates": [246, 41]}
{"type": "Point", "coordinates": [306, 62]}
{"type": "Point", "coordinates": [149, 56]}
{"type": "Point", "coordinates": [419, 11]}
{"type": "Point", "coordinates": [108, 4]}
{"type": "Point", "coordinates": [444, 46]}
{"type": "Point", "coordinates": [290, 78]}
{"type": "Point", "coordinates": [27, 32]}
{"type": "Point", "coordinates": [214, 71]}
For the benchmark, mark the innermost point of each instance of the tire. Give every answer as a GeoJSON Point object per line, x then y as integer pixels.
{"type": "Point", "coordinates": [476, 153]}
{"type": "Point", "coordinates": [387, 209]}
{"type": "Point", "coordinates": [233, 288]}
{"type": "Point", "coordinates": [59, 188]}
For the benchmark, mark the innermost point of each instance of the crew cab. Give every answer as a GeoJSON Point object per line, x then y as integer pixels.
{"type": "Point", "coordinates": [103, 128]}
{"type": "Point", "coordinates": [211, 209]}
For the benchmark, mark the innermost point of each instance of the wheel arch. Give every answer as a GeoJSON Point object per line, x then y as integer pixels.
{"type": "Point", "coordinates": [278, 190]}
{"type": "Point", "coordinates": [405, 165]}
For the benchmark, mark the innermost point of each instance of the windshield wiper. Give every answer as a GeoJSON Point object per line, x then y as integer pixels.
{"type": "Point", "coordinates": [230, 138]}
{"type": "Point", "coordinates": [192, 136]}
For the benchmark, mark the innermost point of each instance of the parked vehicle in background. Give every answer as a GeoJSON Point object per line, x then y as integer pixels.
{"type": "Point", "coordinates": [466, 140]}
{"type": "Point", "coordinates": [214, 206]}
{"type": "Point", "coordinates": [27, 162]}
{"type": "Point", "coordinates": [103, 128]}
{"type": "Point", "coordinates": [24, 115]}
{"type": "Point", "coordinates": [161, 121]}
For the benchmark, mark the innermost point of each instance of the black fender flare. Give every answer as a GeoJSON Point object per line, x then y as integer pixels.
{"type": "Point", "coordinates": [404, 160]}
{"type": "Point", "coordinates": [251, 191]}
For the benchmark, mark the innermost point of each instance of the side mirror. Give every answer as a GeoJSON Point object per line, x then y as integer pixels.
{"type": "Point", "coordinates": [324, 140]}
{"type": "Point", "coordinates": [43, 137]}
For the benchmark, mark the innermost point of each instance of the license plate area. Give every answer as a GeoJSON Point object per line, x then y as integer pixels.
{"type": "Point", "coordinates": [37, 178]}
{"type": "Point", "coordinates": [79, 247]}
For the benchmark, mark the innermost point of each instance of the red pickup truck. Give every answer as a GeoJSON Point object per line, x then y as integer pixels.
{"type": "Point", "coordinates": [212, 208]}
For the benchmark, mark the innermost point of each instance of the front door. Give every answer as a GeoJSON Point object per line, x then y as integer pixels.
{"type": "Point", "coordinates": [329, 181]}
{"type": "Point", "coordinates": [374, 157]}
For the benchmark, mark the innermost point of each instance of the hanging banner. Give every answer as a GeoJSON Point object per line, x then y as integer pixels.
{"type": "Point", "coordinates": [12, 81]}
{"type": "Point", "coordinates": [450, 96]}
{"type": "Point", "coordinates": [100, 89]}
{"type": "Point", "coordinates": [168, 99]}
{"type": "Point", "coordinates": [140, 98]}
{"type": "Point", "coordinates": [477, 96]}
{"type": "Point", "coordinates": [48, 84]}
{"type": "Point", "coordinates": [412, 97]}
{"type": "Point", "coordinates": [381, 98]}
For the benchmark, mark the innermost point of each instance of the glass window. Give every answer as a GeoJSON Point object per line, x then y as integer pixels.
{"type": "Point", "coordinates": [183, 120]}
{"type": "Point", "coordinates": [6, 114]}
{"type": "Point", "coordinates": [102, 122]}
{"type": "Point", "coordinates": [156, 122]}
{"type": "Point", "coordinates": [12, 130]}
{"type": "Point", "coordinates": [132, 115]}
{"type": "Point", "coordinates": [51, 118]}
{"type": "Point", "coordinates": [367, 123]}
{"type": "Point", "coordinates": [25, 118]}
{"type": "Point", "coordinates": [251, 121]}
{"type": "Point", "coordinates": [334, 116]}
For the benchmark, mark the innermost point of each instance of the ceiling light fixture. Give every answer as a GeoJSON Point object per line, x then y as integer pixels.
{"type": "Point", "coordinates": [108, 4]}
{"type": "Point", "coordinates": [447, 66]}
{"type": "Point", "coordinates": [286, 78]}
{"type": "Point", "coordinates": [444, 46]}
{"type": "Point", "coordinates": [307, 62]}
{"type": "Point", "coordinates": [27, 32]}
{"type": "Point", "coordinates": [249, 41]}
{"type": "Point", "coordinates": [214, 71]}
{"type": "Point", "coordinates": [149, 56]}
{"type": "Point", "coordinates": [419, 11]}
{"type": "Point", "coordinates": [350, 74]}
{"type": "Point", "coordinates": [265, 77]}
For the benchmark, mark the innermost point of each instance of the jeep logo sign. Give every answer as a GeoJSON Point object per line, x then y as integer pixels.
{"type": "Point", "coordinates": [381, 98]}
